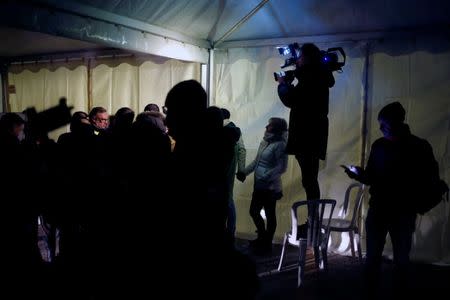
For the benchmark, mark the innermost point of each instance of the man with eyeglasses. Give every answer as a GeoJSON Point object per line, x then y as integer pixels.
{"type": "Point", "coordinates": [99, 119]}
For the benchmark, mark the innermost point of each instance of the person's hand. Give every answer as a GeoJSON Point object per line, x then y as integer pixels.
{"type": "Point", "coordinates": [354, 172]}
{"type": "Point", "coordinates": [350, 174]}
{"type": "Point", "coordinates": [240, 176]}
{"type": "Point", "coordinates": [281, 80]}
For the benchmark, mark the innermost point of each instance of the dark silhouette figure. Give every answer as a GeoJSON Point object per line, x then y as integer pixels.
{"type": "Point", "coordinates": [74, 209]}
{"type": "Point", "coordinates": [308, 119]}
{"type": "Point", "coordinates": [20, 207]}
{"type": "Point", "coordinates": [199, 222]}
{"type": "Point", "coordinates": [152, 107]}
{"type": "Point", "coordinates": [399, 164]}
{"type": "Point", "coordinates": [237, 162]}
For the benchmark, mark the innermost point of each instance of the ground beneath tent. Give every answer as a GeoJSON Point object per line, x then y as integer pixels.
{"type": "Point", "coordinates": [343, 279]}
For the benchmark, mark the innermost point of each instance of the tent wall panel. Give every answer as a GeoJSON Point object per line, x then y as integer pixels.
{"type": "Point", "coordinates": [414, 71]}
{"type": "Point", "coordinates": [44, 88]}
{"type": "Point", "coordinates": [134, 83]}
{"type": "Point", "coordinates": [245, 85]}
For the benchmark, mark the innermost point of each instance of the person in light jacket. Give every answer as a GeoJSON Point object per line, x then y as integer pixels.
{"type": "Point", "coordinates": [269, 164]}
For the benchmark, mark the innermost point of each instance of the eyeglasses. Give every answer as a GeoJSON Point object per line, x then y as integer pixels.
{"type": "Point", "coordinates": [101, 120]}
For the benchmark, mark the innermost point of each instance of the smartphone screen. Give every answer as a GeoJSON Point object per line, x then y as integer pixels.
{"type": "Point", "coordinates": [350, 168]}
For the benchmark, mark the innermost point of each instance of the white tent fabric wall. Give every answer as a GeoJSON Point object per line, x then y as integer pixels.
{"type": "Point", "coordinates": [416, 72]}
{"type": "Point", "coordinates": [245, 85]}
{"type": "Point", "coordinates": [113, 86]}
{"type": "Point", "coordinates": [44, 88]}
{"type": "Point", "coordinates": [137, 86]}
{"type": "Point", "coordinates": [417, 75]}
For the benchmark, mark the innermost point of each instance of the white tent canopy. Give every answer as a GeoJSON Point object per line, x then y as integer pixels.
{"type": "Point", "coordinates": [396, 51]}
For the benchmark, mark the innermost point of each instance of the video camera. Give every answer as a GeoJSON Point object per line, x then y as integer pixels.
{"type": "Point", "coordinates": [328, 58]}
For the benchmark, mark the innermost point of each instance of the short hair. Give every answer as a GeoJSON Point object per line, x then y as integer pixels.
{"type": "Point", "coordinates": [124, 115]}
{"type": "Point", "coordinates": [226, 113]}
{"type": "Point", "coordinates": [9, 120]}
{"type": "Point", "coordinates": [152, 107]}
{"type": "Point", "coordinates": [76, 118]}
{"type": "Point", "coordinates": [393, 112]}
{"type": "Point", "coordinates": [150, 119]}
{"type": "Point", "coordinates": [96, 110]}
{"type": "Point", "coordinates": [279, 125]}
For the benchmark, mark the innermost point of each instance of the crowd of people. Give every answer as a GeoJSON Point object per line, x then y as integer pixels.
{"type": "Point", "coordinates": [142, 202]}
{"type": "Point", "coordinates": [130, 196]}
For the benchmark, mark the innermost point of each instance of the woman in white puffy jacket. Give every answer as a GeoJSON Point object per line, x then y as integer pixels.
{"type": "Point", "coordinates": [269, 164]}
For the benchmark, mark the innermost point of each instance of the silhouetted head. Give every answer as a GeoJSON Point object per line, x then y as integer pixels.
{"type": "Point", "coordinates": [150, 120]}
{"type": "Point", "coordinates": [226, 113]}
{"type": "Point", "coordinates": [152, 107]}
{"type": "Point", "coordinates": [391, 118]}
{"type": "Point", "coordinates": [78, 119]}
{"type": "Point", "coordinates": [12, 124]}
{"type": "Point", "coordinates": [309, 55]}
{"type": "Point", "coordinates": [185, 105]}
{"type": "Point", "coordinates": [123, 119]}
{"type": "Point", "coordinates": [214, 119]}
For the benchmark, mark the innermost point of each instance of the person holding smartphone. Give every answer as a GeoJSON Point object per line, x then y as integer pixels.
{"type": "Point", "coordinates": [399, 164]}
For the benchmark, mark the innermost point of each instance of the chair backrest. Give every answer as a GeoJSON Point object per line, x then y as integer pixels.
{"type": "Point", "coordinates": [316, 213]}
{"type": "Point", "coordinates": [358, 201]}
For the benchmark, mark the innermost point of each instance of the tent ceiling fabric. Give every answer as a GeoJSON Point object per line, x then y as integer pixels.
{"type": "Point", "coordinates": [210, 19]}
{"type": "Point", "coordinates": [188, 27]}
{"type": "Point", "coordinates": [31, 43]}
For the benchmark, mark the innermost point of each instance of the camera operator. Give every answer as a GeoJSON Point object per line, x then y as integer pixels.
{"type": "Point", "coordinates": [308, 120]}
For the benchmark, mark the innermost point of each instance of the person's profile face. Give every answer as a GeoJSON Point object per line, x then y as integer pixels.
{"type": "Point", "coordinates": [269, 128]}
{"type": "Point", "coordinates": [387, 128]}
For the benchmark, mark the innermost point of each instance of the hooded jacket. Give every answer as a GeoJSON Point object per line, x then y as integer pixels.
{"type": "Point", "coordinates": [270, 163]}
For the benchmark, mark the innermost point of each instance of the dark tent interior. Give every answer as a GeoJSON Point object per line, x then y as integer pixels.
{"type": "Point", "coordinates": [117, 216]}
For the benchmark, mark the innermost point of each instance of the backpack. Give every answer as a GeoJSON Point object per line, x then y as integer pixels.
{"type": "Point", "coordinates": [435, 192]}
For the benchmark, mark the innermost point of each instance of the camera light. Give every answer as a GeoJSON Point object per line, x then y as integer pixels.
{"type": "Point", "coordinates": [284, 50]}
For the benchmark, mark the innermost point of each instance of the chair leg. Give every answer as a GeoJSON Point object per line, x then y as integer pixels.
{"type": "Point", "coordinates": [317, 257]}
{"type": "Point", "coordinates": [352, 243]}
{"type": "Point", "coordinates": [282, 252]}
{"type": "Point", "coordinates": [358, 244]}
{"type": "Point", "coordinates": [324, 250]}
{"type": "Point", "coordinates": [301, 261]}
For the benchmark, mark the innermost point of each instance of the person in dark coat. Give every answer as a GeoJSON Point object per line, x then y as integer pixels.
{"type": "Point", "coordinates": [308, 119]}
{"type": "Point", "coordinates": [196, 201]}
{"type": "Point", "coordinates": [399, 164]}
{"type": "Point", "coordinates": [20, 207]}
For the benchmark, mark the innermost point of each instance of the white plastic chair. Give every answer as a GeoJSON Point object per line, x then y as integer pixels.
{"type": "Point", "coordinates": [316, 236]}
{"type": "Point", "coordinates": [349, 223]}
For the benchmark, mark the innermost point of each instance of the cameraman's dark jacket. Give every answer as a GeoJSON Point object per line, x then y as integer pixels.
{"type": "Point", "coordinates": [308, 101]}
